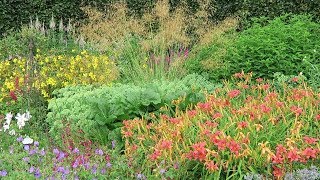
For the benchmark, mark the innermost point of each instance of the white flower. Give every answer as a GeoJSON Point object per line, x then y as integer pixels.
{"type": "Point", "coordinates": [5, 127]}
{"type": "Point", "coordinates": [27, 140]}
{"type": "Point", "coordinates": [21, 124]}
{"type": "Point", "coordinates": [21, 119]}
{"type": "Point", "coordinates": [28, 115]}
{"type": "Point", "coordinates": [12, 132]}
{"type": "Point", "coordinates": [8, 118]}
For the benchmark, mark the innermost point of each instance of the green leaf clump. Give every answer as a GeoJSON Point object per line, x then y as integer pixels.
{"type": "Point", "coordinates": [100, 110]}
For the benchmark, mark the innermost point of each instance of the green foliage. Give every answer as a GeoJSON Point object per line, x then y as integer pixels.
{"type": "Point", "coordinates": [101, 110]}
{"type": "Point", "coordinates": [284, 45]}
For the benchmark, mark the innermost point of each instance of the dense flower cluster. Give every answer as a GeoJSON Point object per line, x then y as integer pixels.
{"type": "Point", "coordinates": [251, 125]}
{"type": "Point", "coordinates": [52, 72]}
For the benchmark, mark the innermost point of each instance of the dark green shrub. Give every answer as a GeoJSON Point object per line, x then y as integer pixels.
{"type": "Point", "coordinates": [287, 44]}
{"type": "Point", "coordinates": [100, 111]}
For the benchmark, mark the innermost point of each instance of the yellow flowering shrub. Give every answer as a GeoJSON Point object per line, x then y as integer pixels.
{"type": "Point", "coordinates": [52, 72]}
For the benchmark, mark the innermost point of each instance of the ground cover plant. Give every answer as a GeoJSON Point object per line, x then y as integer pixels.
{"type": "Point", "coordinates": [161, 90]}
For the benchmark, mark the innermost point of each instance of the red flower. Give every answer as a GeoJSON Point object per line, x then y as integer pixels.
{"type": "Point", "coordinates": [192, 113]}
{"type": "Point", "coordinates": [221, 143]}
{"type": "Point", "coordinates": [295, 79]}
{"type": "Point", "coordinates": [211, 124]}
{"type": "Point", "coordinates": [310, 140]}
{"type": "Point", "coordinates": [318, 117]}
{"type": "Point", "coordinates": [279, 104]}
{"type": "Point", "coordinates": [166, 144]}
{"type": "Point", "coordinates": [217, 115]}
{"type": "Point", "coordinates": [206, 107]}
{"type": "Point", "coordinates": [309, 153]}
{"type": "Point", "coordinates": [265, 109]}
{"type": "Point", "coordinates": [277, 172]}
{"type": "Point", "coordinates": [280, 149]}
{"type": "Point", "coordinates": [211, 166]}
{"type": "Point", "coordinates": [277, 159]}
{"type": "Point", "coordinates": [259, 80]}
{"type": "Point", "coordinates": [155, 155]}
{"type": "Point", "coordinates": [199, 152]}
{"type": "Point", "coordinates": [234, 93]}
{"type": "Point", "coordinates": [238, 75]}
{"type": "Point", "coordinates": [128, 134]}
{"type": "Point", "coordinates": [176, 120]}
{"type": "Point", "coordinates": [293, 155]}
{"type": "Point", "coordinates": [265, 86]}
{"type": "Point", "coordinates": [297, 110]}
{"type": "Point", "coordinates": [234, 147]}
{"type": "Point", "coordinates": [242, 124]}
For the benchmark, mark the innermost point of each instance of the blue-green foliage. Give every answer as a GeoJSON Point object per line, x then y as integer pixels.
{"type": "Point", "coordinates": [100, 111]}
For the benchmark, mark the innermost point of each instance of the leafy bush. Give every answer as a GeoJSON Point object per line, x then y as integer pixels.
{"type": "Point", "coordinates": [283, 45]}
{"type": "Point", "coordinates": [103, 109]}
{"type": "Point", "coordinates": [245, 127]}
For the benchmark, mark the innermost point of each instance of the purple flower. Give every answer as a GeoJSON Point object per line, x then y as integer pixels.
{"type": "Point", "coordinates": [37, 174]}
{"type": "Point", "coordinates": [61, 156]}
{"type": "Point", "coordinates": [113, 144]}
{"type": "Point", "coordinates": [86, 165]}
{"type": "Point", "coordinates": [75, 150]}
{"type": "Point", "coordinates": [75, 164]}
{"type": "Point", "coordinates": [99, 152]}
{"type": "Point", "coordinates": [76, 178]}
{"type": "Point", "coordinates": [31, 169]}
{"type": "Point", "coordinates": [32, 152]}
{"type": "Point", "coordinates": [20, 139]}
{"type": "Point", "coordinates": [141, 176]}
{"type": "Point", "coordinates": [3, 173]}
{"type": "Point", "coordinates": [56, 151]}
{"type": "Point", "coordinates": [26, 159]}
{"type": "Point", "coordinates": [26, 147]}
{"type": "Point", "coordinates": [36, 143]}
{"type": "Point", "coordinates": [103, 171]}
{"type": "Point", "coordinates": [42, 152]}
{"type": "Point", "coordinates": [94, 169]}
{"type": "Point", "coordinates": [162, 171]}
{"type": "Point", "coordinates": [60, 169]}
{"type": "Point", "coordinates": [108, 165]}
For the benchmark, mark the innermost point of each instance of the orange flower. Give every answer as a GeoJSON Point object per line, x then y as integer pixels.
{"type": "Point", "coordinates": [166, 144]}
{"type": "Point", "coordinates": [293, 155]}
{"type": "Point", "coordinates": [309, 153]}
{"type": "Point", "coordinates": [155, 155]}
{"type": "Point", "coordinates": [310, 140]}
{"type": "Point", "coordinates": [242, 124]}
{"type": "Point", "coordinates": [277, 172]}
{"type": "Point", "coordinates": [234, 93]}
{"type": "Point", "coordinates": [211, 166]}
{"type": "Point", "coordinates": [297, 110]}
{"type": "Point", "coordinates": [217, 115]}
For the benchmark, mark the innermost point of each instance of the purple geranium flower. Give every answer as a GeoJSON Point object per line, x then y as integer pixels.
{"type": "Point", "coordinates": [26, 147]}
{"type": "Point", "coordinates": [20, 139]}
{"type": "Point", "coordinates": [99, 152]}
{"type": "Point", "coordinates": [36, 143]}
{"type": "Point", "coordinates": [3, 173]}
